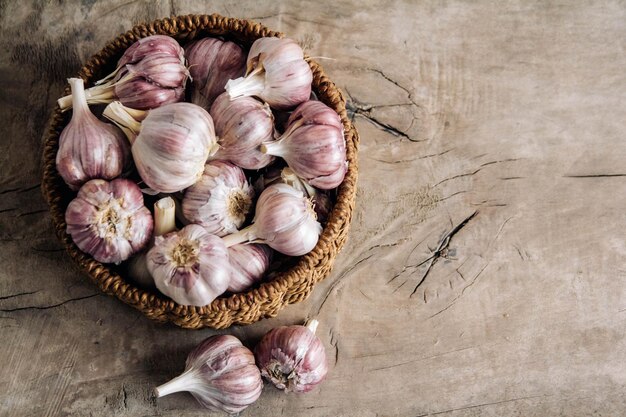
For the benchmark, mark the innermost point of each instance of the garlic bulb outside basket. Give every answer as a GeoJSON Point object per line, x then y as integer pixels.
{"type": "Point", "coordinates": [171, 143]}
{"type": "Point", "coordinates": [292, 357]}
{"type": "Point", "coordinates": [221, 374]}
{"type": "Point", "coordinates": [88, 147]}
{"type": "Point", "coordinates": [108, 220]}
{"type": "Point", "coordinates": [284, 219]}
{"type": "Point", "coordinates": [190, 266]}
{"type": "Point", "coordinates": [220, 200]}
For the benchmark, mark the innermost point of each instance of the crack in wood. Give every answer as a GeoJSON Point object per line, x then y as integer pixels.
{"type": "Point", "coordinates": [9, 310]}
{"type": "Point", "coordinates": [595, 176]}
{"type": "Point", "coordinates": [476, 171]}
{"type": "Point", "coordinates": [334, 285]}
{"type": "Point", "coordinates": [354, 107]}
{"type": "Point", "coordinates": [442, 248]}
{"type": "Point", "coordinates": [6, 297]}
{"type": "Point", "coordinates": [469, 407]}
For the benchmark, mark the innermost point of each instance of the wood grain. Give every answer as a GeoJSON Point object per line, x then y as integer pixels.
{"type": "Point", "coordinates": [483, 275]}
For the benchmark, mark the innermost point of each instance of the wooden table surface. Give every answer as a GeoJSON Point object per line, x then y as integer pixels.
{"type": "Point", "coordinates": [484, 271]}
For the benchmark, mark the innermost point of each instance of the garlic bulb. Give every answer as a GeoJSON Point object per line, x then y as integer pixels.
{"type": "Point", "coordinates": [241, 126]}
{"type": "Point", "coordinates": [190, 266]}
{"type": "Point", "coordinates": [220, 200]}
{"type": "Point", "coordinates": [89, 148]}
{"type": "Point", "coordinates": [220, 373]}
{"type": "Point", "coordinates": [313, 145]}
{"type": "Point", "coordinates": [292, 357]}
{"type": "Point", "coordinates": [276, 73]}
{"type": "Point", "coordinates": [249, 263]}
{"type": "Point", "coordinates": [151, 73]}
{"type": "Point", "coordinates": [164, 222]}
{"type": "Point", "coordinates": [108, 220]}
{"type": "Point", "coordinates": [284, 219]}
{"type": "Point", "coordinates": [170, 145]}
{"type": "Point", "coordinates": [321, 201]}
{"type": "Point", "coordinates": [212, 62]}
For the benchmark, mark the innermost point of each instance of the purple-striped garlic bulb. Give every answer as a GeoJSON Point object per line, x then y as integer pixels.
{"type": "Point", "coordinates": [170, 145]}
{"type": "Point", "coordinates": [88, 147]}
{"type": "Point", "coordinates": [212, 62]}
{"type": "Point", "coordinates": [108, 220]}
{"type": "Point", "coordinates": [190, 266]}
{"type": "Point", "coordinates": [276, 73]}
{"type": "Point", "coordinates": [292, 357]}
{"type": "Point", "coordinates": [284, 219]}
{"type": "Point", "coordinates": [220, 200]}
{"type": "Point", "coordinates": [151, 73]}
{"type": "Point", "coordinates": [249, 263]}
{"type": "Point", "coordinates": [313, 145]}
{"type": "Point", "coordinates": [241, 125]}
{"type": "Point", "coordinates": [221, 375]}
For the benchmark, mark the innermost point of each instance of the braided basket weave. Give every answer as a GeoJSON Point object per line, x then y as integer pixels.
{"type": "Point", "coordinates": [289, 286]}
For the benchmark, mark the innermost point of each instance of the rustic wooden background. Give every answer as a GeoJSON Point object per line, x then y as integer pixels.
{"type": "Point", "coordinates": [484, 273]}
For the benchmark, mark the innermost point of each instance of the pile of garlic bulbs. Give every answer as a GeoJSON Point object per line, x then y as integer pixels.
{"type": "Point", "coordinates": [203, 197]}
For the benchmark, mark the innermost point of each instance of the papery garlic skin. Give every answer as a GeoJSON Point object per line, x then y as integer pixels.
{"type": "Point", "coordinates": [151, 73]}
{"type": "Point", "coordinates": [292, 357]}
{"type": "Point", "coordinates": [212, 62]}
{"type": "Point", "coordinates": [190, 266]}
{"type": "Point", "coordinates": [164, 222]}
{"type": "Point", "coordinates": [313, 145]}
{"type": "Point", "coordinates": [88, 147]}
{"type": "Point", "coordinates": [221, 375]}
{"type": "Point", "coordinates": [220, 200]}
{"type": "Point", "coordinates": [284, 219]}
{"type": "Point", "coordinates": [241, 125]}
{"type": "Point", "coordinates": [170, 146]}
{"type": "Point", "coordinates": [108, 220]}
{"type": "Point", "coordinates": [276, 72]}
{"type": "Point", "coordinates": [249, 263]}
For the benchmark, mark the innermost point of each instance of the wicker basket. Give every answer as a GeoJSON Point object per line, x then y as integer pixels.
{"type": "Point", "coordinates": [289, 286]}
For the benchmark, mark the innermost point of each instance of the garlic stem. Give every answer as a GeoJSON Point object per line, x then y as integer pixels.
{"type": "Point", "coordinates": [164, 216]}
{"type": "Point", "coordinates": [180, 383]}
{"type": "Point", "coordinates": [94, 95]}
{"type": "Point", "coordinates": [272, 148]}
{"type": "Point", "coordinates": [312, 325]}
{"type": "Point", "coordinates": [122, 116]}
{"type": "Point", "coordinates": [77, 98]}
{"type": "Point", "coordinates": [244, 235]}
{"type": "Point", "coordinates": [250, 85]}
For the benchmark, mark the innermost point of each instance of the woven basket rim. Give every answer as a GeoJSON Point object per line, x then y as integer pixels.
{"type": "Point", "coordinates": [290, 286]}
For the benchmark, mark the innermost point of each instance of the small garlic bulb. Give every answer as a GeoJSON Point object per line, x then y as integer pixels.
{"type": "Point", "coordinates": [212, 62]}
{"type": "Point", "coordinates": [277, 73]}
{"type": "Point", "coordinates": [284, 219]}
{"type": "Point", "coordinates": [170, 146]}
{"type": "Point", "coordinates": [151, 73]}
{"type": "Point", "coordinates": [89, 148]}
{"type": "Point", "coordinates": [313, 145]}
{"type": "Point", "coordinates": [108, 220]}
{"type": "Point", "coordinates": [220, 373]}
{"type": "Point", "coordinates": [190, 266]}
{"type": "Point", "coordinates": [220, 200]}
{"type": "Point", "coordinates": [249, 263]}
{"type": "Point", "coordinates": [292, 357]}
{"type": "Point", "coordinates": [241, 126]}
